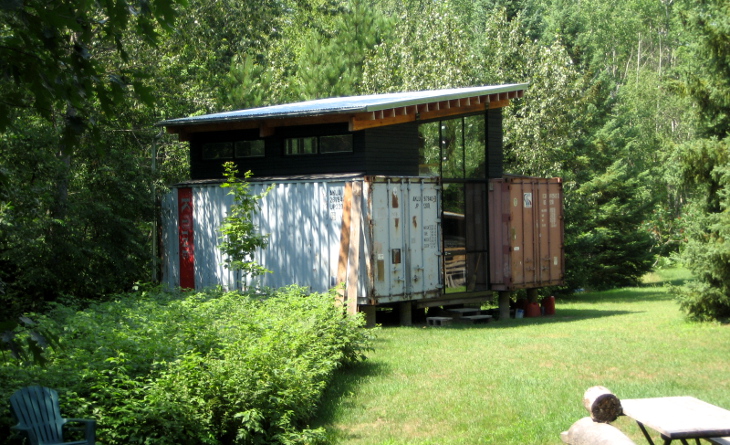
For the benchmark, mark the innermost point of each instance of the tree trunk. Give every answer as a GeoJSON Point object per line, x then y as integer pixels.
{"type": "Point", "coordinates": [587, 432]}
{"type": "Point", "coordinates": [603, 405]}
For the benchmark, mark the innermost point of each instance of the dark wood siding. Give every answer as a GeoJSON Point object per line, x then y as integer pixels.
{"type": "Point", "coordinates": [381, 151]}
{"type": "Point", "coordinates": [275, 162]}
{"type": "Point", "coordinates": [495, 154]}
{"type": "Point", "coordinates": [392, 150]}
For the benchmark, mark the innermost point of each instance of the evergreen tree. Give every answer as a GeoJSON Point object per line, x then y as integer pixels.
{"type": "Point", "coordinates": [705, 162]}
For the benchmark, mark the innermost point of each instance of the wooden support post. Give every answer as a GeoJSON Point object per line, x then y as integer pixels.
{"type": "Point", "coordinates": [353, 258]}
{"type": "Point", "coordinates": [369, 312]}
{"type": "Point", "coordinates": [405, 309]}
{"type": "Point", "coordinates": [504, 305]}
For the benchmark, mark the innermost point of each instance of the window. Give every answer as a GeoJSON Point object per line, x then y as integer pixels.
{"type": "Point", "coordinates": [455, 148]}
{"type": "Point", "coordinates": [301, 146]}
{"type": "Point", "coordinates": [428, 149]}
{"type": "Point", "coordinates": [340, 143]}
{"type": "Point", "coordinates": [452, 149]}
{"type": "Point", "coordinates": [217, 150]}
{"type": "Point", "coordinates": [250, 149]}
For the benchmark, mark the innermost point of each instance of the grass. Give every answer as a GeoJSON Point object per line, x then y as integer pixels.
{"type": "Point", "coordinates": [522, 381]}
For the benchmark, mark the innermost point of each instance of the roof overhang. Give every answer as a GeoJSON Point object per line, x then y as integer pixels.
{"type": "Point", "coordinates": [359, 112]}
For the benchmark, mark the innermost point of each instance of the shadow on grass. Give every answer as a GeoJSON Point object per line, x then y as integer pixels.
{"type": "Point", "coordinates": [561, 316]}
{"type": "Point", "coordinates": [626, 295]}
{"type": "Point", "coordinates": [337, 395]}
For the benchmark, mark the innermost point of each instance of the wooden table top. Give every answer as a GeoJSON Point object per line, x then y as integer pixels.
{"type": "Point", "coordinates": [679, 417]}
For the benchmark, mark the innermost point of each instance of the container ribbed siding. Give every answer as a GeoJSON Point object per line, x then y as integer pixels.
{"type": "Point", "coordinates": [383, 240]}
{"type": "Point", "coordinates": [526, 233]}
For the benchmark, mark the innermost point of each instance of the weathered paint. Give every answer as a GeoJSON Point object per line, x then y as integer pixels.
{"type": "Point", "coordinates": [405, 215]}
{"type": "Point", "coordinates": [526, 233]}
{"type": "Point", "coordinates": [322, 232]}
{"type": "Point", "coordinates": [186, 238]}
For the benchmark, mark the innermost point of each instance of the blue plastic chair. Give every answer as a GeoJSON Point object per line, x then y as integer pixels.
{"type": "Point", "coordinates": [37, 410]}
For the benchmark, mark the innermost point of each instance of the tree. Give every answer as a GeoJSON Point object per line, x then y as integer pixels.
{"type": "Point", "coordinates": [239, 237]}
{"type": "Point", "coordinates": [76, 199]}
{"type": "Point", "coordinates": [428, 48]}
{"type": "Point", "coordinates": [53, 56]}
{"type": "Point", "coordinates": [705, 162]}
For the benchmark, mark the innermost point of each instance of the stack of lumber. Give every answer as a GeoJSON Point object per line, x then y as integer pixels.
{"type": "Point", "coordinates": [604, 407]}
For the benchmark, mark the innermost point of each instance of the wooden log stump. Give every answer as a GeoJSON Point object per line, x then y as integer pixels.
{"type": "Point", "coordinates": [587, 432]}
{"type": "Point", "coordinates": [602, 404]}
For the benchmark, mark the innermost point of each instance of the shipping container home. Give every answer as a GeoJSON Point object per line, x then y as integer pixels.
{"type": "Point", "coordinates": [400, 197]}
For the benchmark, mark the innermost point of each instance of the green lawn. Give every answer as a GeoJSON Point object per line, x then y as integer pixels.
{"type": "Point", "coordinates": [522, 381]}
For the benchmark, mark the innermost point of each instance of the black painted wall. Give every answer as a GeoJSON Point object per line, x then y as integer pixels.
{"type": "Point", "coordinates": [390, 150]}
{"type": "Point", "coordinates": [495, 153]}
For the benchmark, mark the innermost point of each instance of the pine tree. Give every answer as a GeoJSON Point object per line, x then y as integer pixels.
{"type": "Point", "coordinates": [705, 163]}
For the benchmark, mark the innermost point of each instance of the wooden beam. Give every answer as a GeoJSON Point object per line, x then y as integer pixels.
{"type": "Point", "coordinates": [344, 241]}
{"type": "Point", "coordinates": [265, 130]}
{"type": "Point", "coordinates": [357, 123]}
{"type": "Point", "coordinates": [353, 257]}
{"type": "Point", "coordinates": [498, 104]}
{"type": "Point", "coordinates": [451, 112]}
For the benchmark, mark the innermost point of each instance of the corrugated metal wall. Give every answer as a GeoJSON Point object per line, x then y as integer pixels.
{"type": "Point", "coordinates": [526, 233]}
{"type": "Point", "coordinates": [381, 236]}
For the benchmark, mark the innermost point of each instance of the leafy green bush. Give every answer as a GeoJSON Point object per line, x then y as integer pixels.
{"type": "Point", "coordinates": [204, 368]}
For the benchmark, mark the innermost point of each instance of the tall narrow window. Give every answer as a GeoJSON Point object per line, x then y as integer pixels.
{"type": "Point", "coordinates": [429, 163]}
{"type": "Point", "coordinates": [452, 149]}
{"type": "Point", "coordinates": [475, 147]}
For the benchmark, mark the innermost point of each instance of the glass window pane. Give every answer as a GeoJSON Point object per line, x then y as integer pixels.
{"type": "Point", "coordinates": [428, 149]}
{"type": "Point", "coordinates": [250, 149]}
{"type": "Point", "coordinates": [301, 146]}
{"type": "Point", "coordinates": [453, 224]}
{"type": "Point", "coordinates": [217, 150]}
{"type": "Point", "coordinates": [341, 143]}
{"type": "Point", "coordinates": [475, 147]}
{"type": "Point", "coordinates": [452, 150]}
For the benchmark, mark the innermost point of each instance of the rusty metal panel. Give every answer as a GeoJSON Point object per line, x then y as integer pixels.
{"type": "Point", "coordinates": [500, 266]}
{"type": "Point", "coordinates": [526, 232]}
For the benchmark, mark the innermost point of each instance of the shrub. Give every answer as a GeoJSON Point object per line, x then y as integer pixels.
{"type": "Point", "coordinates": [202, 368]}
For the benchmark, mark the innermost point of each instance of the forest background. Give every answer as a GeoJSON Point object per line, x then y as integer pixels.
{"type": "Point", "coordinates": [629, 102]}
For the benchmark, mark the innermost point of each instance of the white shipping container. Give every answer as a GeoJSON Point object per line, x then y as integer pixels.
{"type": "Point", "coordinates": [379, 235]}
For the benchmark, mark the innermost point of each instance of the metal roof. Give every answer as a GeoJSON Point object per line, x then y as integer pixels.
{"type": "Point", "coordinates": [340, 105]}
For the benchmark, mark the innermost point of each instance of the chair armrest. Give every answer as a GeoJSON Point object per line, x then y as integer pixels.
{"type": "Point", "coordinates": [89, 428]}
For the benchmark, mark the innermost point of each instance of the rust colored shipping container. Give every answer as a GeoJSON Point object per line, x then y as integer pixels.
{"type": "Point", "coordinates": [526, 233]}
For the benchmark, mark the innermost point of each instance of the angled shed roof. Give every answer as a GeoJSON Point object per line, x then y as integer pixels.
{"type": "Point", "coordinates": [359, 111]}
